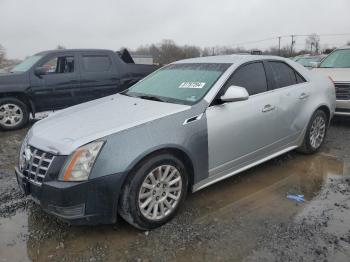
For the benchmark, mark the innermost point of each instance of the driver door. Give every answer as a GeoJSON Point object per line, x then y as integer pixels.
{"type": "Point", "coordinates": [242, 132]}
{"type": "Point", "coordinates": [55, 89]}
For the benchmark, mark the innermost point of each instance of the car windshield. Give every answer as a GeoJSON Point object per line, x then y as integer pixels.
{"type": "Point", "coordinates": [179, 83]}
{"type": "Point", "coordinates": [337, 59]}
{"type": "Point", "coordinates": [26, 64]}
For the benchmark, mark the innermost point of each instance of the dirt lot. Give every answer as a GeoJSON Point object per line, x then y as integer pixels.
{"type": "Point", "coordinates": [245, 218]}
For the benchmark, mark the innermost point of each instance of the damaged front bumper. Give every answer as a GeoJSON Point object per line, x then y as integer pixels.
{"type": "Point", "coordinates": [89, 202]}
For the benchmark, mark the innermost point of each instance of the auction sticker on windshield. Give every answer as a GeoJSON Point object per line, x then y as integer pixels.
{"type": "Point", "coordinates": [192, 85]}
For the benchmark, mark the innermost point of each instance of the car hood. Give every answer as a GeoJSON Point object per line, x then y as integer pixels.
{"type": "Point", "coordinates": [337, 74]}
{"type": "Point", "coordinates": [9, 79]}
{"type": "Point", "coordinates": [68, 129]}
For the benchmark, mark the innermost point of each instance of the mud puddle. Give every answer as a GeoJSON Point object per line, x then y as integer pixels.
{"type": "Point", "coordinates": [223, 222]}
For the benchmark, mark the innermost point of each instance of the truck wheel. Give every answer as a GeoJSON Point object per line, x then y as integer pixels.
{"type": "Point", "coordinates": [315, 133]}
{"type": "Point", "coordinates": [154, 192]}
{"type": "Point", "coordinates": [13, 114]}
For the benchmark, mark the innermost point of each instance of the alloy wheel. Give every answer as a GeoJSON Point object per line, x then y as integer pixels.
{"type": "Point", "coordinates": [160, 192]}
{"type": "Point", "coordinates": [10, 115]}
{"type": "Point", "coordinates": [317, 132]}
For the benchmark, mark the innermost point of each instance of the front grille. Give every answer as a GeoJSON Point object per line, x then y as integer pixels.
{"type": "Point", "coordinates": [342, 91]}
{"type": "Point", "coordinates": [36, 165]}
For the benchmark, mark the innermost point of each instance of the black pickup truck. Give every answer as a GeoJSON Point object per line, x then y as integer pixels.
{"type": "Point", "coordinates": [53, 80]}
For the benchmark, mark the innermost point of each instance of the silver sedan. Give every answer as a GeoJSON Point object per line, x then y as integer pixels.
{"type": "Point", "coordinates": [188, 125]}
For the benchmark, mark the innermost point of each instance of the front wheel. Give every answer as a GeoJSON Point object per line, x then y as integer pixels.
{"type": "Point", "coordinates": [154, 192]}
{"type": "Point", "coordinates": [14, 114]}
{"type": "Point", "coordinates": [315, 133]}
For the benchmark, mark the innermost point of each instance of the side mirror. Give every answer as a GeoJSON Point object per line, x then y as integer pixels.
{"type": "Point", "coordinates": [235, 93]}
{"type": "Point", "coordinates": [39, 71]}
{"type": "Point", "coordinates": [315, 64]}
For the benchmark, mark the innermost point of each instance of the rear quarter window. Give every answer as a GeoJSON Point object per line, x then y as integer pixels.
{"type": "Point", "coordinates": [96, 63]}
{"type": "Point", "coordinates": [284, 75]}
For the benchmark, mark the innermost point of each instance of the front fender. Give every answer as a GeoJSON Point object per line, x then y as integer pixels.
{"type": "Point", "coordinates": [125, 149]}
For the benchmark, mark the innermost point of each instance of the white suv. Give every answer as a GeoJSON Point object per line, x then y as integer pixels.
{"type": "Point", "coordinates": [337, 66]}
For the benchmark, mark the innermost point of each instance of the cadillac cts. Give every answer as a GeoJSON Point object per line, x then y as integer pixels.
{"type": "Point", "coordinates": [186, 126]}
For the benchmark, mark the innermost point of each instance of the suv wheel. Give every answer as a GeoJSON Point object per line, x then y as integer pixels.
{"type": "Point", "coordinates": [13, 114]}
{"type": "Point", "coordinates": [315, 133]}
{"type": "Point", "coordinates": [154, 192]}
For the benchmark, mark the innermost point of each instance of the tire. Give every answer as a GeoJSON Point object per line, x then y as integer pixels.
{"type": "Point", "coordinates": [317, 125]}
{"type": "Point", "coordinates": [157, 193]}
{"type": "Point", "coordinates": [14, 114]}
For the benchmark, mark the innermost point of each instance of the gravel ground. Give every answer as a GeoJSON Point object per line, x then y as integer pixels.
{"type": "Point", "coordinates": [244, 218]}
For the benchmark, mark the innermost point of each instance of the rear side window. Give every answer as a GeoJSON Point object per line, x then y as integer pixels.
{"type": "Point", "coordinates": [96, 63]}
{"type": "Point", "coordinates": [284, 75]}
{"type": "Point", "coordinates": [251, 76]}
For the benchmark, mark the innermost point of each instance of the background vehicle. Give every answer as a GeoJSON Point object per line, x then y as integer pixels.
{"type": "Point", "coordinates": [337, 66]}
{"type": "Point", "coordinates": [188, 125]}
{"type": "Point", "coordinates": [57, 79]}
{"type": "Point", "coordinates": [307, 60]}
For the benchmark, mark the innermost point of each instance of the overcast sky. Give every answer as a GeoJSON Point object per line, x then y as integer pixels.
{"type": "Point", "coordinates": [29, 26]}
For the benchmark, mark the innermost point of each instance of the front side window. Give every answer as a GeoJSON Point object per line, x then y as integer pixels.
{"type": "Point", "coordinates": [96, 63]}
{"type": "Point", "coordinates": [337, 59]}
{"type": "Point", "coordinates": [284, 75]}
{"type": "Point", "coordinates": [251, 76]}
{"type": "Point", "coordinates": [26, 64]}
{"type": "Point", "coordinates": [179, 83]}
{"type": "Point", "coordinates": [59, 65]}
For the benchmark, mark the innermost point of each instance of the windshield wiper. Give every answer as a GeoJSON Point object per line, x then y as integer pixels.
{"type": "Point", "coordinates": [154, 98]}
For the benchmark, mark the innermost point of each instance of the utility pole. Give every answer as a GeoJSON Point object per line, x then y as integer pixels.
{"type": "Point", "coordinates": [291, 46]}
{"type": "Point", "coordinates": [279, 46]}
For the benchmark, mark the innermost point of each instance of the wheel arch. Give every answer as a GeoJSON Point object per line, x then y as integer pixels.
{"type": "Point", "coordinates": [22, 97]}
{"type": "Point", "coordinates": [169, 149]}
{"type": "Point", "coordinates": [326, 110]}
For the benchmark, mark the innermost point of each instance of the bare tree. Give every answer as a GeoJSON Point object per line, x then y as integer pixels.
{"type": "Point", "coordinates": [2, 55]}
{"type": "Point", "coordinates": [312, 43]}
{"type": "Point", "coordinates": [60, 47]}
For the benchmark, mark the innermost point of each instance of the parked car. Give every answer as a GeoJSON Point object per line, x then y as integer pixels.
{"type": "Point", "coordinates": [187, 126]}
{"type": "Point", "coordinates": [53, 80]}
{"type": "Point", "coordinates": [337, 66]}
{"type": "Point", "coordinates": [307, 60]}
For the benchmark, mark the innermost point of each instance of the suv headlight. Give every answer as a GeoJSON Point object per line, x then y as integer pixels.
{"type": "Point", "coordinates": [80, 163]}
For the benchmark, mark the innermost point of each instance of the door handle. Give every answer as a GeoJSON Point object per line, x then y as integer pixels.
{"type": "Point", "coordinates": [268, 108]}
{"type": "Point", "coordinates": [303, 96]}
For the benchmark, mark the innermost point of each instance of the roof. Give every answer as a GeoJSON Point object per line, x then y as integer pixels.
{"type": "Point", "coordinates": [71, 50]}
{"type": "Point", "coordinates": [229, 59]}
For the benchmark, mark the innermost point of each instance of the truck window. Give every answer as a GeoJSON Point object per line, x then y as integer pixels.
{"type": "Point", "coordinates": [96, 63]}
{"type": "Point", "coordinates": [60, 65]}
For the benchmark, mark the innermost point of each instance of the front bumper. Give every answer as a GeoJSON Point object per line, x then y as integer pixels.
{"type": "Point", "coordinates": [90, 202]}
{"type": "Point", "coordinates": [342, 108]}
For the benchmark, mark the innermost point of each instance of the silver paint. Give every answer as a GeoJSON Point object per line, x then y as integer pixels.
{"type": "Point", "coordinates": [222, 141]}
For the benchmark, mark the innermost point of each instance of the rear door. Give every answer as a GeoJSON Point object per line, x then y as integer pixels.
{"type": "Point", "coordinates": [242, 132]}
{"type": "Point", "coordinates": [99, 76]}
{"type": "Point", "coordinates": [292, 92]}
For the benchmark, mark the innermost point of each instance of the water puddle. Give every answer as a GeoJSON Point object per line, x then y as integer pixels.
{"type": "Point", "coordinates": [219, 222]}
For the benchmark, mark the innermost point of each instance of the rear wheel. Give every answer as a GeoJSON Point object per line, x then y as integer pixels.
{"type": "Point", "coordinates": [154, 192]}
{"type": "Point", "coordinates": [13, 114]}
{"type": "Point", "coordinates": [315, 133]}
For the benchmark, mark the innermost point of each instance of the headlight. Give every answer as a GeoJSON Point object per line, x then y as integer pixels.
{"type": "Point", "coordinates": [80, 163]}
{"type": "Point", "coordinates": [22, 155]}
